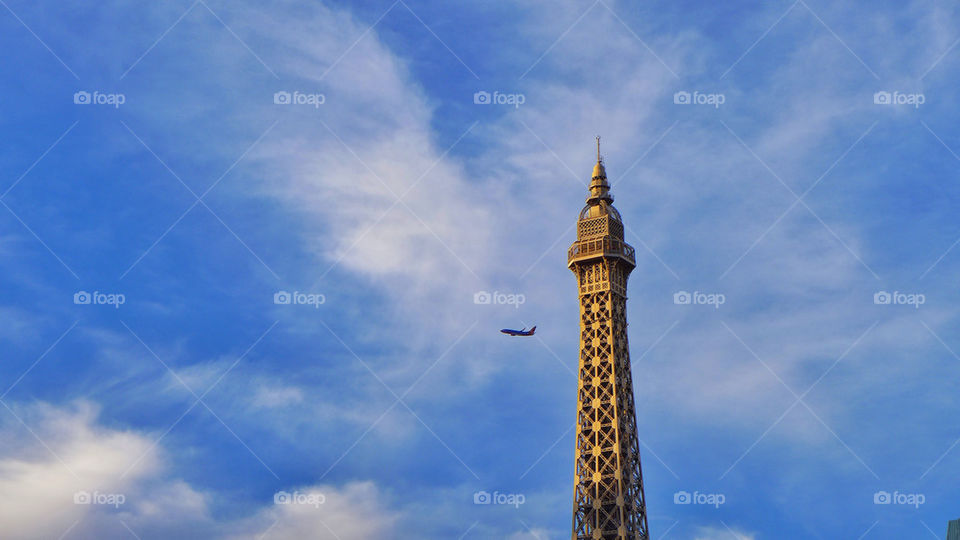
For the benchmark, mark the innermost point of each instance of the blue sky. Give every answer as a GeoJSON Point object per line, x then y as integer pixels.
{"type": "Point", "coordinates": [804, 199]}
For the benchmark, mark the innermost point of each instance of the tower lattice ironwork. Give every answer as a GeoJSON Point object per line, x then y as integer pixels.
{"type": "Point", "coordinates": [608, 499]}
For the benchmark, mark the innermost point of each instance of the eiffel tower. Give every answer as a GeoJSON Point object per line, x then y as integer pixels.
{"type": "Point", "coordinates": [608, 497]}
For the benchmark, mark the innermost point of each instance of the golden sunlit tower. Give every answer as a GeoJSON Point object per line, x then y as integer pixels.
{"type": "Point", "coordinates": [608, 486]}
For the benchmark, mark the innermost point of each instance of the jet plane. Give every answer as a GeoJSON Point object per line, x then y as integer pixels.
{"type": "Point", "coordinates": [523, 332]}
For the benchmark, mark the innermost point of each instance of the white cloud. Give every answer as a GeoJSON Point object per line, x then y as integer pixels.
{"type": "Point", "coordinates": [531, 534]}
{"type": "Point", "coordinates": [69, 454]}
{"type": "Point", "coordinates": [355, 512]}
{"type": "Point", "coordinates": [722, 533]}
{"type": "Point", "coordinates": [38, 484]}
{"type": "Point", "coordinates": [277, 396]}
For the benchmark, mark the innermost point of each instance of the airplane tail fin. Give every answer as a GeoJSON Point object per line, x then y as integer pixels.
{"type": "Point", "coordinates": [533, 330]}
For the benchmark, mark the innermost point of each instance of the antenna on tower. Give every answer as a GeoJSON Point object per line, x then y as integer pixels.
{"type": "Point", "coordinates": [599, 159]}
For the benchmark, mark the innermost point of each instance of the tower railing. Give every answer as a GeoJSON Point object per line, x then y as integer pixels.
{"type": "Point", "coordinates": [604, 246]}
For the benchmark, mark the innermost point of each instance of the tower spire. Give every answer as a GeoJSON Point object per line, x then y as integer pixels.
{"type": "Point", "coordinates": [599, 188]}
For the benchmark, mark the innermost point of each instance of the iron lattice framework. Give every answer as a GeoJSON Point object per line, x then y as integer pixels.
{"type": "Point", "coordinates": [608, 499]}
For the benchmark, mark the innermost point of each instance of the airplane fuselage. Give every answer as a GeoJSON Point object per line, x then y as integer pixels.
{"type": "Point", "coordinates": [515, 333]}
